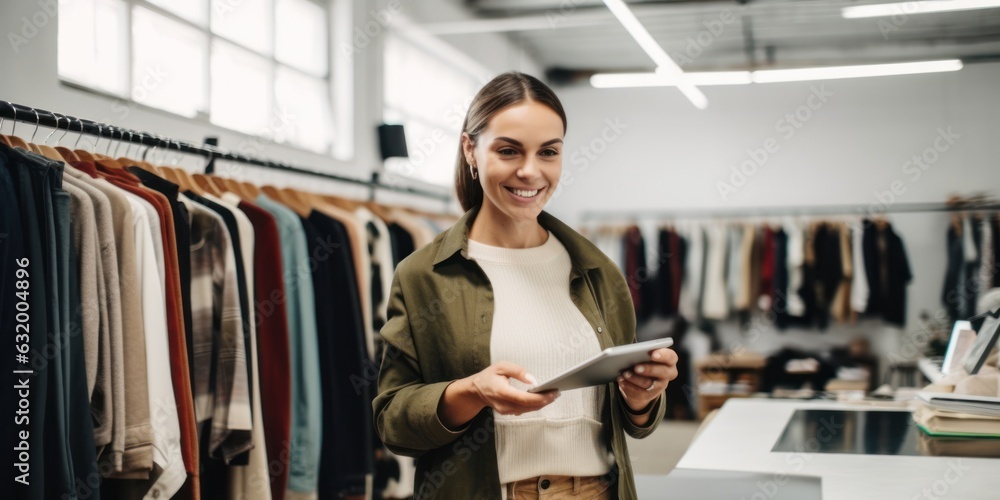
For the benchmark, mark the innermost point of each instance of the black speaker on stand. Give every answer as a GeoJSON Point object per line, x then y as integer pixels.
{"type": "Point", "coordinates": [391, 143]}
{"type": "Point", "coordinates": [211, 141]}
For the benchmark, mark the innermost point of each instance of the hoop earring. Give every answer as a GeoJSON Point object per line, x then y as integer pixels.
{"type": "Point", "coordinates": [475, 172]}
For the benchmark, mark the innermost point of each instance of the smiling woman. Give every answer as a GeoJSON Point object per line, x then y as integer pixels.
{"type": "Point", "coordinates": [515, 157]}
{"type": "Point", "coordinates": [513, 104]}
{"type": "Point", "coordinates": [508, 296]}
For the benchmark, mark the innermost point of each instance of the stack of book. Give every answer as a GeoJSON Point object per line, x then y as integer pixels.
{"type": "Point", "coordinates": [957, 425]}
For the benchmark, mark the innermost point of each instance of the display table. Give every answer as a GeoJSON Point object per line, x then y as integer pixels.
{"type": "Point", "coordinates": [743, 433]}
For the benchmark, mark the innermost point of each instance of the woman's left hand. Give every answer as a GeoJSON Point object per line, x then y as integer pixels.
{"type": "Point", "coordinates": [644, 382]}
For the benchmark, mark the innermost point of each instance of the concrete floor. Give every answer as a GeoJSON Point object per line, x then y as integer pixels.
{"type": "Point", "coordinates": [659, 452]}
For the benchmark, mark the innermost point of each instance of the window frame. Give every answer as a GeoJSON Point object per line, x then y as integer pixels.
{"type": "Point", "coordinates": [332, 149]}
{"type": "Point", "coordinates": [405, 31]}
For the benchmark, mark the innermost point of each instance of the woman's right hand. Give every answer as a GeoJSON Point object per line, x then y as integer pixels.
{"type": "Point", "coordinates": [464, 398]}
{"type": "Point", "coordinates": [493, 387]}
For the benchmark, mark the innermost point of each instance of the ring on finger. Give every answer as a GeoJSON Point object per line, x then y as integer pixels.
{"type": "Point", "coordinates": [651, 386]}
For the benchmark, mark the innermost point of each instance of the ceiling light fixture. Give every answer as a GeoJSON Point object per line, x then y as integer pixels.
{"type": "Point", "coordinates": [664, 63]}
{"type": "Point", "coordinates": [661, 79]}
{"type": "Point", "coordinates": [915, 7]}
{"type": "Point", "coordinates": [867, 70]}
{"type": "Point", "coordinates": [621, 80]}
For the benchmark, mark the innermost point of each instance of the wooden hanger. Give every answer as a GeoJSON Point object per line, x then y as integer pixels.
{"type": "Point", "coordinates": [379, 211]}
{"type": "Point", "coordinates": [31, 143]}
{"type": "Point", "coordinates": [48, 151]}
{"type": "Point", "coordinates": [271, 192]}
{"type": "Point", "coordinates": [83, 154]}
{"type": "Point", "coordinates": [247, 191]}
{"type": "Point", "coordinates": [189, 180]}
{"type": "Point", "coordinates": [185, 178]}
{"type": "Point", "coordinates": [429, 214]}
{"type": "Point", "coordinates": [51, 153]}
{"type": "Point", "coordinates": [206, 184]}
{"type": "Point", "coordinates": [3, 138]}
{"type": "Point", "coordinates": [338, 201]}
{"type": "Point", "coordinates": [168, 174]}
{"type": "Point", "coordinates": [175, 175]}
{"type": "Point", "coordinates": [13, 140]}
{"type": "Point", "coordinates": [124, 160]}
{"type": "Point", "coordinates": [107, 159]}
{"type": "Point", "coordinates": [127, 162]}
{"type": "Point", "coordinates": [223, 184]}
{"type": "Point", "coordinates": [250, 189]}
{"type": "Point", "coordinates": [17, 142]}
{"type": "Point", "coordinates": [66, 154]}
{"type": "Point", "coordinates": [111, 162]}
{"type": "Point", "coordinates": [142, 163]}
{"type": "Point", "coordinates": [182, 178]}
{"type": "Point", "coordinates": [280, 196]}
{"type": "Point", "coordinates": [231, 186]}
{"type": "Point", "coordinates": [297, 201]}
{"type": "Point", "coordinates": [108, 162]}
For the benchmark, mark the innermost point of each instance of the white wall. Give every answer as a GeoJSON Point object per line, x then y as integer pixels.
{"type": "Point", "coordinates": [666, 155]}
{"type": "Point", "coordinates": [670, 155]}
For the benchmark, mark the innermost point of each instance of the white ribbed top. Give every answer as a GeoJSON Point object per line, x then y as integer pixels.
{"type": "Point", "coordinates": [537, 326]}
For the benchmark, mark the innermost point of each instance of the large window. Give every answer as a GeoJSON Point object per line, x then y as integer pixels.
{"type": "Point", "coordinates": [260, 67]}
{"type": "Point", "coordinates": [428, 89]}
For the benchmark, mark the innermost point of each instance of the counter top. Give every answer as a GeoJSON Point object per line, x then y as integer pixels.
{"type": "Point", "coordinates": [741, 436]}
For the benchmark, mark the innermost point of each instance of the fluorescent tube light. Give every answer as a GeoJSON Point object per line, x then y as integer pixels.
{"type": "Point", "coordinates": [838, 72]}
{"type": "Point", "coordinates": [915, 7]}
{"type": "Point", "coordinates": [663, 79]}
{"type": "Point", "coordinates": [623, 80]}
{"type": "Point", "coordinates": [659, 56]}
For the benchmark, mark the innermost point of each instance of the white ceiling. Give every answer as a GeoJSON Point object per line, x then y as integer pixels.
{"type": "Point", "coordinates": [583, 36]}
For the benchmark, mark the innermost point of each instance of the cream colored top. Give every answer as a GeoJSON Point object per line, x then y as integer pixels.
{"type": "Point", "coordinates": [536, 325]}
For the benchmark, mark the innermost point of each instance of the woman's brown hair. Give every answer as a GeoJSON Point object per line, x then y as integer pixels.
{"type": "Point", "coordinates": [499, 94]}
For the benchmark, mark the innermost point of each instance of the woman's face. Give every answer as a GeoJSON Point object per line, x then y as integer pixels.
{"type": "Point", "coordinates": [519, 158]}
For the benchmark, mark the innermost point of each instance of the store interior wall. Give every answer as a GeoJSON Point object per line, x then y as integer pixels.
{"type": "Point", "coordinates": [661, 153]}
{"type": "Point", "coordinates": [645, 150]}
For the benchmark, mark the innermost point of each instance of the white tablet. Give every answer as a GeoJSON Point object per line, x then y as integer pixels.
{"type": "Point", "coordinates": [604, 367]}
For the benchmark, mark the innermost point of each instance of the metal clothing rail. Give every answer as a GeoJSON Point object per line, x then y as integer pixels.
{"type": "Point", "coordinates": [41, 117]}
{"type": "Point", "coordinates": [870, 210]}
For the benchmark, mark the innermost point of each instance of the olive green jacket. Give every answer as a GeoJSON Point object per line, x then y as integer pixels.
{"type": "Point", "coordinates": [440, 314]}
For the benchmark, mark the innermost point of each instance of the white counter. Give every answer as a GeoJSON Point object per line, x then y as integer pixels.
{"type": "Point", "coordinates": [742, 434]}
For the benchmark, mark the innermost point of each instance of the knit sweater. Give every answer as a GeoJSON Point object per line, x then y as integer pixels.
{"type": "Point", "coordinates": [537, 326]}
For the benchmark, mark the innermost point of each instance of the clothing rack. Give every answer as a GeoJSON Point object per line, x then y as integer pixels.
{"type": "Point", "coordinates": [44, 118]}
{"type": "Point", "coordinates": [776, 211]}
